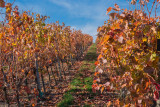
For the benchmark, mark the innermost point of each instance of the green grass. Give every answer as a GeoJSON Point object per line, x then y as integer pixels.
{"type": "Point", "coordinates": [67, 100]}
{"type": "Point", "coordinates": [81, 82]}
{"type": "Point", "coordinates": [88, 82]}
{"type": "Point", "coordinates": [76, 83]}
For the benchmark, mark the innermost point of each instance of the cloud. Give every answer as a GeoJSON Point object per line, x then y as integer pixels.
{"type": "Point", "coordinates": [62, 3]}
{"type": "Point", "coordinates": [83, 9]}
{"type": "Point", "coordinates": [91, 30]}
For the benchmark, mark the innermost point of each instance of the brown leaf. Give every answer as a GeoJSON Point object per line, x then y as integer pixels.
{"type": "Point", "coordinates": [149, 70]}
{"type": "Point", "coordinates": [2, 3]}
{"type": "Point", "coordinates": [117, 7]}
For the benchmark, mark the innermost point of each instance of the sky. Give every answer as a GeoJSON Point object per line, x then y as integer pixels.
{"type": "Point", "coordinates": [85, 15]}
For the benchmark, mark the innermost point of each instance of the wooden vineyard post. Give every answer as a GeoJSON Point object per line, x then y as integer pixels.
{"type": "Point", "coordinates": [36, 68]}
{"type": "Point", "coordinates": [59, 66]}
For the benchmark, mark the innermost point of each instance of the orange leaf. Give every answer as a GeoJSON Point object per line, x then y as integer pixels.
{"type": "Point", "coordinates": [94, 81]}
{"type": "Point", "coordinates": [109, 104]}
{"type": "Point", "coordinates": [95, 74]}
{"type": "Point", "coordinates": [100, 56]}
{"type": "Point", "coordinates": [22, 70]}
{"type": "Point", "coordinates": [33, 105]}
{"type": "Point", "coordinates": [108, 10]}
{"type": "Point", "coordinates": [96, 63]}
{"type": "Point", "coordinates": [102, 89]}
{"type": "Point", "coordinates": [147, 84]}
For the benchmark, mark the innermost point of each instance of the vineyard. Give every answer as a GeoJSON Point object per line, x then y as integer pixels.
{"type": "Point", "coordinates": [50, 64]}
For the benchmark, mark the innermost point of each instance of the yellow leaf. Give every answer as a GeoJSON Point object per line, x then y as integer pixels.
{"type": "Point", "coordinates": [108, 10]}
{"type": "Point", "coordinates": [144, 39]}
{"type": "Point", "coordinates": [105, 39]}
{"type": "Point", "coordinates": [99, 29]}
{"type": "Point", "coordinates": [138, 90]}
{"type": "Point", "coordinates": [0, 35]}
{"type": "Point", "coordinates": [14, 44]}
{"type": "Point", "coordinates": [153, 57]}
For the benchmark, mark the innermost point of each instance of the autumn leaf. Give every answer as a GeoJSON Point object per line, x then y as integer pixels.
{"type": "Point", "coordinates": [106, 38]}
{"type": "Point", "coordinates": [2, 3]}
{"type": "Point", "coordinates": [109, 104]}
{"type": "Point", "coordinates": [1, 35]}
{"type": "Point", "coordinates": [100, 56]}
{"type": "Point", "coordinates": [144, 39]}
{"type": "Point", "coordinates": [96, 63]}
{"type": "Point", "coordinates": [147, 84]}
{"type": "Point", "coordinates": [148, 70]}
{"type": "Point", "coordinates": [124, 85]}
{"type": "Point", "coordinates": [94, 81]}
{"type": "Point", "coordinates": [22, 70]}
{"type": "Point", "coordinates": [108, 10]}
{"type": "Point", "coordinates": [157, 86]}
{"type": "Point", "coordinates": [138, 90]}
{"type": "Point", "coordinates": [156, 95]}
{"type": "Point", "coordinates": [100, 70]}
{"type": "Point", "coordinates": [33, 105]}
{"type": "Point", "coordinates": [116, 7]}
{"type": "Point", "coordinates": [102, 89]}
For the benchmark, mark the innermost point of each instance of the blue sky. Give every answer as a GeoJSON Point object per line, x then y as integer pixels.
{"type": "Point", "coordinates": [85, 15]}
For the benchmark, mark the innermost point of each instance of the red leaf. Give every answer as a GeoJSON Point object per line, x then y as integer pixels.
{"type": "Point", "coordinates": [156, 95]}
{"type": "Point", "coordinates": [157, 86]}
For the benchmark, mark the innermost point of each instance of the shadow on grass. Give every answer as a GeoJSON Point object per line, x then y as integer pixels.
{"type": "Point", "coordinates": [91, 55]}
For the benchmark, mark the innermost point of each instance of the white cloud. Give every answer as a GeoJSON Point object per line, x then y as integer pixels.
{"type": "Point", "coordinates": [81, 9]}
{"type": "Point", "coordinates": [62, 3]}
{"type": "Point", "coordinates": [91, 30]}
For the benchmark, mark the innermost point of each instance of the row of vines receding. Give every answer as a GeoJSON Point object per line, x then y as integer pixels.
{"type": "Point", "coordinates": [128, 64]}
{"type": "Point", "coordinates": [30, 50]}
